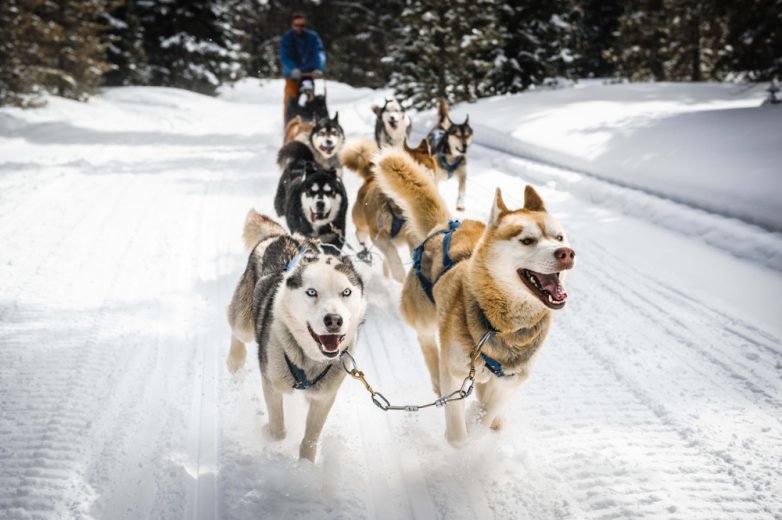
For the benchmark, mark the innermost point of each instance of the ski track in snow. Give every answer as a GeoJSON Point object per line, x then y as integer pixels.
{"type": "Point", "coordinates": [115, 402]}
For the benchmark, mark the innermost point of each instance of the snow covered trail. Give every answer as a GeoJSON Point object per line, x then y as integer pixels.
{"type": "Point", "coordinates": [658, 394]}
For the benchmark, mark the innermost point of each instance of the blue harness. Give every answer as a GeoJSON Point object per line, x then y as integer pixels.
{"type": "Point", "coordinates": [418, 253]}
{"type": "Point", "coordinates": [450, 168]}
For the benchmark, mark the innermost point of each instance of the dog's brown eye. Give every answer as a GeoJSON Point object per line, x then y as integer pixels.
{"type": "Point", "coordinates": [560, 238]}
{"type": "Point", "coordinates": [528, 241]}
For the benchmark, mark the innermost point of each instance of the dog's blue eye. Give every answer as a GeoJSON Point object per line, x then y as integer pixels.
{"type": "Point", "coordinates": [312, 293]}
{"type": "Point", "coordinates": [347, 292]}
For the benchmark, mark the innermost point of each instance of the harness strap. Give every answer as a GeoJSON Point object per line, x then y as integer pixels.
{"type": "Point", "coordinates": [450, 168]}
{"type": "Point", "coordinates": [296, 259]}
{"type": "Point", "coordinates": [418, 254]}
{"type": "Point", "coordinates": [300, 377]}
{"type": "Point", "coordinates": [494, 366]}
{"type": "Point", "coordinates": [397, 221]}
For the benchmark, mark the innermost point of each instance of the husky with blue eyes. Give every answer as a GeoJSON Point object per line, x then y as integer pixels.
{"type": "Point", "coordinates": [304, 309]}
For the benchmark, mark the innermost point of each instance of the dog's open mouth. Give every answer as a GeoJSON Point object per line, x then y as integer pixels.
{"type": "Point", "coordinates": [328, 343]}
{"type": "Point", "coordinates": [317, 215]}
{"type": "Point", "coordinates": [546, 287]}
{"type": "Point", "coordinates": [327, 150]}
{"type": "Point", "coordinates": [393, 124]}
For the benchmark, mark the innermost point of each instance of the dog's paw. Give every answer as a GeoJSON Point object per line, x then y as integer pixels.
{"type": "Point", "coordinates": [308, 450]}
{"type": "Point", "coordinates": [234, 363]}
{"type": "Point", "coordinates": [274, 434]}
{"type": "Point", "coordinates": [496, 424]}
{"type": "Point", "coordinates": [456, 440]}
{"type": "Point", "coordinates": [460, 203]}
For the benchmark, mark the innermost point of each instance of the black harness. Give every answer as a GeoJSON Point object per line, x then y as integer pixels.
{"type": "Point", "coordinates": [397, 221]}
{"type": "Point", "coordinates": [301, 381]}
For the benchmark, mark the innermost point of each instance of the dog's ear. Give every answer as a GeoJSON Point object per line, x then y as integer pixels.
{"type": "Point", "coordinates": [310, 168]}
{"type": "Point", "coordinates": [497, 209]}
{"type": "Point", "coordinates": [532, 200]}
{"type": "Point", "coordinates": [466, 120]}
{"type": "Point", "coordinates": [423, 147]}
{"type": "Point", "coordinates": [336, 117]}
{"type": "Point", "coordinates": [376, 109]}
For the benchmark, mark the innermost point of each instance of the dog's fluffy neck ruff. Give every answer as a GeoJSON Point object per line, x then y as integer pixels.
{"type": "Point", "coordinates": [507, 311]}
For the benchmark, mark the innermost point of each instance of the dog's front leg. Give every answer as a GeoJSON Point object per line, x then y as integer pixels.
{"type": "Point", "coordinates": [455, 424]}
{"type": "Point", "coordinates": [316, 418]}
{"type": "Point", "coordinates": [237, 356]}
{"type": "Point", "coordinates": [461, 175]}
{"type": "Point", "coordinates": [391, 256]}
{"type": "Point", "coordinates": [492, 397]}
{"type": "Point", "coordinates": [427, 338]}
{"type": "Point", "coordinates": [276, 427]}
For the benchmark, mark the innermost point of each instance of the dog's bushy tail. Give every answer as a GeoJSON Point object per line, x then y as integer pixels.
{"type": "Point", "coordinates": [356, 155]}
{"type": "Point", "coordinates": [258, 227]}
{"type": "Point", "coordinates": [413, 189]}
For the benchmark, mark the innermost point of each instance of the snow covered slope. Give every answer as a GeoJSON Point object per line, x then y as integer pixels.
{"type": "Point", "coordinates": [658, 393]}
{"type": "Point", "coordinates": [711, 146]}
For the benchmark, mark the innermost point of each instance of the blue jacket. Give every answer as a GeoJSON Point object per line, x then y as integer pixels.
{"type": "Point", "coordinates": [303, 52]}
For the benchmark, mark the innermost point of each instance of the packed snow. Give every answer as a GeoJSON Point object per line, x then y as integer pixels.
{"type": "Point", "coordinates": [658, 393]}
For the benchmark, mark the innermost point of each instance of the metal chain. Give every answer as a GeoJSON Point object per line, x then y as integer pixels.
{"type": "Point", "coordinates": [457, 395]}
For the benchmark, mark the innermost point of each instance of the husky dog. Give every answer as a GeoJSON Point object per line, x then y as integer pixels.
{"type": "Point", "coordinates": [325, 139]}
{"type": "Point", "coordinates": [313, 200]}
{"type": "Point", "coordinates": [502, 278]}
{"type": "Point", "coordinates": [449, 143]}
{"type": "Point", "coordinates": [393, 125]}
{"type": "Point", "coordinates": [298, 130]}
{"type": "Point", "coordinates": [377, 219]}
{"type": "Point", "coordinates": [303, 309]}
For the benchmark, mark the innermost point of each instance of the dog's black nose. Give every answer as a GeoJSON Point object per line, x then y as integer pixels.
{"type": "Point", "coordinates": [320, 205]}
{"type": "Point", "coordinates": [333, 322]}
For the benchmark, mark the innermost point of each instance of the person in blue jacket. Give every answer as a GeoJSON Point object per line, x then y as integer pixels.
{"type": "Point", "coordinates": [301, 52]}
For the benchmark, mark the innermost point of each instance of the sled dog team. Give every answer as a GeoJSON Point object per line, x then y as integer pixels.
{"type": "Point", "coordinates": [303, 301]}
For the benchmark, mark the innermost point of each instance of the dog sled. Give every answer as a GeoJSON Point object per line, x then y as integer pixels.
{"type": "Point", "coordinates": [310, 104]}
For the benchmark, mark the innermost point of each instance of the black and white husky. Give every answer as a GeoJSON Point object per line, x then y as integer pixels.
{"type": "Point", "coordinates": [324, 142]}
{"type": "Point", "coordinates": [449, 143]}
{"type": "Point", "coordinates": [303, 308]}
{"type": "Point", "coordinates": [313, 201]}
{"type": "Point", "coordinates": [392, 125]}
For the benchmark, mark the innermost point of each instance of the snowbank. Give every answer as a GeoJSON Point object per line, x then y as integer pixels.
{"type": "Point", "coordinates": [710, 146]}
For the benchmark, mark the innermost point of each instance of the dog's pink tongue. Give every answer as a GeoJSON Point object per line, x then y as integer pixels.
{"type": "Point", "coordinates": [330, 342]}
{"type": "Point", "coordinates": [550, 282]}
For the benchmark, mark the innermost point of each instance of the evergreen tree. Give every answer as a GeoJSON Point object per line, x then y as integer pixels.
{"type": "Point", "coordinates": [535, 44]}
{"type": "Point", "coordinates": [755, 39]}
{"type": "Point", "coordinates": [21, 29]}
{"type": "Point", "coordinates": [74, 57]}
{"type": "Point", "coordinates": [191, 44]}
{"type": "Point", "coordinates": [443, 50]}
{"type": "Point", "coordinates": [595, 23]}
{"type": "Point", "coordinates": [126, 50]}
{"type": "Point", "coordinates": [52, 46]}
{"type": "Point", "coordinates": [641, 46]}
